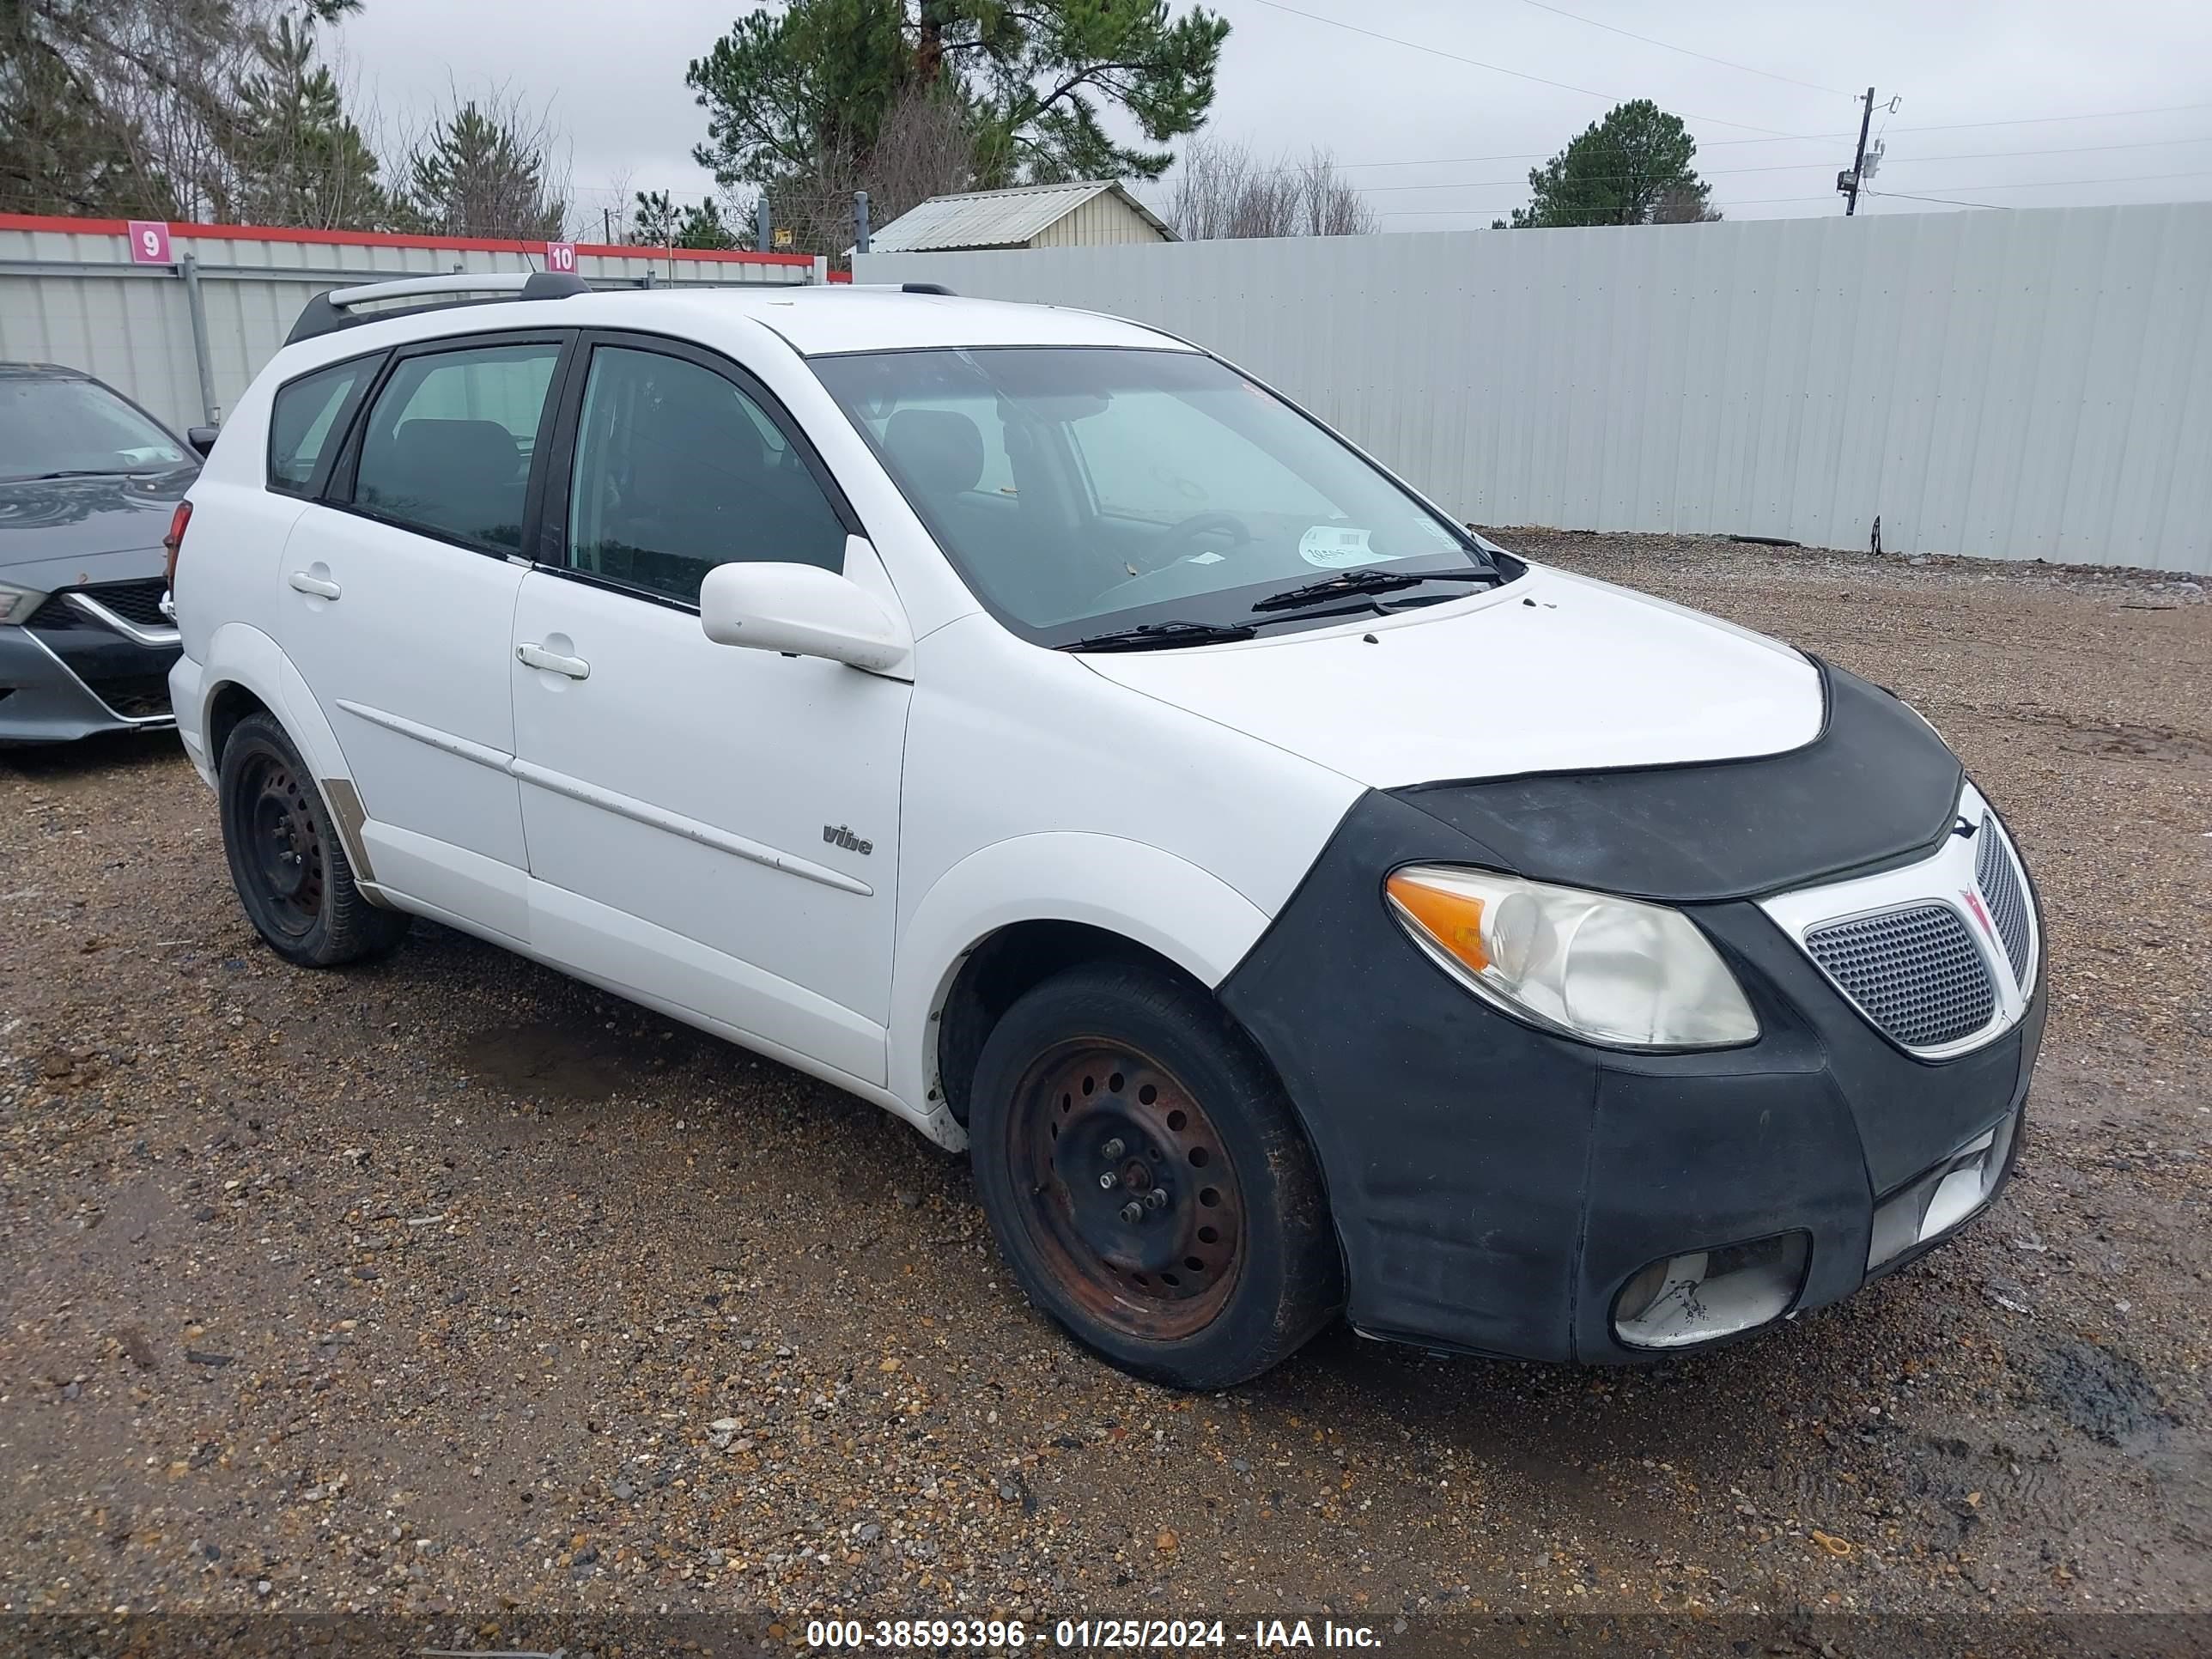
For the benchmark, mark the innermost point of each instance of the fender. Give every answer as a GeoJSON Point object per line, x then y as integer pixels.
{"type": "Point", "coordinates": [242, 655]}
{"type": "Point", "coordinates": [1168, 904]}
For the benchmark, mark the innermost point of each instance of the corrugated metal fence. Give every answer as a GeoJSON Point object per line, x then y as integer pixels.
{"type": "Point", "coordinates": [2035, 384]}
{"type": "Point", "coordinates": [69, 293]}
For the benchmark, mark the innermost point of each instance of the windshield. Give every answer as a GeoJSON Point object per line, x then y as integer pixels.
{"type": "Point", "coordinates": [1084, 491]}
{"type": "Point", "coordinates": [49, 426]}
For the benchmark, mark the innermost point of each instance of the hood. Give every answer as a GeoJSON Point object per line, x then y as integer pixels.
{"type": "Point", "coordinates": [1550, 673]}
{"type": "Point", "coordinates": [50, 527]}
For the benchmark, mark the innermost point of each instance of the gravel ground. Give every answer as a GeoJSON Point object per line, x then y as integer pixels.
{"type": "Point", "coordinates": [448, 1286]}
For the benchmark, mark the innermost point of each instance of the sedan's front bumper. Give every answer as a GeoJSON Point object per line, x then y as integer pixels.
{"type": "Point", "coordinates": [59, 685]}
{"type": "Point", "coordinates": [1495, 1187]}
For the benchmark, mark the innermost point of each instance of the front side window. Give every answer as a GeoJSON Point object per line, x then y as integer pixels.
{"type": "Point", "coordinates": [62, 428]}
{"type": "Point", "coordinates": [1081, 491]}
{"type": "Point", "coordinates": [678, 470]}
{"type": "Point", "coordinates": [301, 420]}
{"type": "Point", "coordinates": [446, 445]}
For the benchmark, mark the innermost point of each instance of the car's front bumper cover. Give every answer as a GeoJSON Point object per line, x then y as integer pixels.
{"type": "Point", "coordinates": [51, 684]}
{"type": "Point", "coordinates": [1495, 1186]}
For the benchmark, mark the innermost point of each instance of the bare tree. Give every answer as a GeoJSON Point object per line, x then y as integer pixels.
{"type": "Point", "coordinates": [614, 204]}
{"type": "Point", "coordinates": [118, 103]}
{"type": "Point", "coordinates": [1681, 206]}
{"type": "Point", "coordinates": [926, 147]}
{"type": "Point", "coordinates": [1221, 191]}
{"type": "Point", "coordinates": [187, 109]}
{"type": "Point", "coordinates": [1328, 205]}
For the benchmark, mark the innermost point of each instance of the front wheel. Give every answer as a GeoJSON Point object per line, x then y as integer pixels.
{"type": "Point", "coordinates": [1147, 1180]}
{"type": "Point", "coordinates": [291, 871]}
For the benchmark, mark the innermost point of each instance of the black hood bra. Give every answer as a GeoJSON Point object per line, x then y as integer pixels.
{"type": "Point", "coordinates": [1876, 787]}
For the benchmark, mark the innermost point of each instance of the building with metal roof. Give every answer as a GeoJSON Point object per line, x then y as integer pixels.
{"type": "Point", "coordinates": [1083, 215]}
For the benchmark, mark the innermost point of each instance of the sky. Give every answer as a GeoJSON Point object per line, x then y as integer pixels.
{"type": "Point", "coordinates": [1997, 103]}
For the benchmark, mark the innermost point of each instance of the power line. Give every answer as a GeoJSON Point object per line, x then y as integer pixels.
{"type": "Point", "coordinates": [1787, 166]}
{"type": "Point", "coordinates": [2040, 183]}
{"type": "Point", "coordinates": [1666, 46]}
{"type": "Point", "coordinates": [1903, 196]}
{"type": "Point", "coordinates": [1499, 69]}
{"type": "Point", "coordinates": [2038, 121]}
{"type": "Point", "coordinates": [2019, 184]}
{"type": "Point", "coordinates": [1421, 213]}
{"type": "Point", "coordinates": [1823, 137]}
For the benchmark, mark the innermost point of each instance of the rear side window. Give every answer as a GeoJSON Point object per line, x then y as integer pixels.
{"type": "Point", "coordinates": [303, 420]}
{"type": "Point", "coordinates": [445, 448]}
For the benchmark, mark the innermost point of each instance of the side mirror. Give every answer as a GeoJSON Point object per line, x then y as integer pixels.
{"type": "Point", "coordinates": [201, 438]}
{"type": "Point", "coordinates": [803, 611]}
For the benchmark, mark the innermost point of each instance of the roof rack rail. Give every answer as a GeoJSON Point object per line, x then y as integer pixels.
{"type": "Point", "coordinates": [900, 287]}
{"type": "Point", "coordinates": [327, 313]}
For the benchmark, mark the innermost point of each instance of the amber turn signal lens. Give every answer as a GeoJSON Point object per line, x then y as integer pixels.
{"type": "Point", "coordinates": [1453, 919]}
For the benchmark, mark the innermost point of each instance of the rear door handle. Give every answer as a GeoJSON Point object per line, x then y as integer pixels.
{"type": "Point", "coordinates": [537, 656]}
{"type": "Point", "coordinates": [319, 586]}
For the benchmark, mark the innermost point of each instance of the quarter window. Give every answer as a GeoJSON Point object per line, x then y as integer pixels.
{"type": "Point", "coordinates": [446, 448]}
{"type": "Point", "coordinates": [302, 421]}
{"type": "Point", "coordinates": [678, 470]}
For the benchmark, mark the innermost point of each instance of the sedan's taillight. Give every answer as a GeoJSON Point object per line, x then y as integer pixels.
{"type": "Point", "coordinates": [173, 544]}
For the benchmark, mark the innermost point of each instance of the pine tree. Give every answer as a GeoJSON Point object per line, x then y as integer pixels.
{"type": "Point", "coordinates": [805, 94]}
{"type": "Point", "coordinates": [298, 157]}
{"type": "Point", "coordinates": [482, 172]}
{"type": "Point", "coordinates": [1632, 168]}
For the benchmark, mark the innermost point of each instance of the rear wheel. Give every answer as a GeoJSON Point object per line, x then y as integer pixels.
{"type": "Point", "coordinates": [1147, 1181]}
{"type": "Point", "coordinates": [291, 872]}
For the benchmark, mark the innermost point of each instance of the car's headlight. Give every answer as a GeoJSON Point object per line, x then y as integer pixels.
{"type": "Point", "coordinates": [18, 603]}
{"type": "Point", "coordinates": [1609, 970]}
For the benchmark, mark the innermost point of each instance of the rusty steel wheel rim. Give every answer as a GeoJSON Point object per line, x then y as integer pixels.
{"type": "Point", "coordinates": [1127, 1190]}
{"type": "Point", "coordinates": [282, 846]}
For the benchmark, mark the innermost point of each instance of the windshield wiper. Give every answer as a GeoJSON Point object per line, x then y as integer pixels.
{"type": "Point", "coordinates": [1366, 581]}
{"type": "Point", "coordinates": [1151, 636]}
{"type": "Point", "coordinates": [81, 472]}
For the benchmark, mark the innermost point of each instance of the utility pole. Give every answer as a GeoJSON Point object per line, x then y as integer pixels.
{"type": "Point", "coordinates": [1849, 184]}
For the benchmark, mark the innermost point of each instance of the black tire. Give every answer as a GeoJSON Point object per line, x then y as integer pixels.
{"type": "Point", "coordinates": [290, 868]}
{"type": "Point", "coordinates": [1155, 1084]}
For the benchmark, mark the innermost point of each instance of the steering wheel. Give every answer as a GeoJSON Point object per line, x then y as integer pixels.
{"type": "Point", "coordinates": [1168, 549]}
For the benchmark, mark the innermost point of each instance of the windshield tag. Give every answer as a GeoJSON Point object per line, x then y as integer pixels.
{"type": "Point", "coordinates": [1337, 547]}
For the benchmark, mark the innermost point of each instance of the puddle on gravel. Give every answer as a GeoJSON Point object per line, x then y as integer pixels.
{"type": "Point", "coordinates": [2104, 1394]}
{"type": "Point", "coordinates": [556, 1063]}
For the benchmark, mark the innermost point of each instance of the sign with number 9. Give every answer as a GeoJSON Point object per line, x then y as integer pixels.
{"type": "Point", "coordinates": [149, 243]}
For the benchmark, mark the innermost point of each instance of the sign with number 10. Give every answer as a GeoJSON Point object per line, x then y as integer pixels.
{"type": "Point", "coordinates": [561, 256]}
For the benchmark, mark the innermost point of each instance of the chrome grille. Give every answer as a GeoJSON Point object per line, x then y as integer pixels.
{"type": "Point", "coordinates": [1914, 971]}
{"type": "Point", "coordinates": [1998, 878]}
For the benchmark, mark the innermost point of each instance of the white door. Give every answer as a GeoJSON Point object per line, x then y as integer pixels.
{"type": "Point", "coordinates": [398, 607]}
{"type": "Point", "coordinates": [713, 827]}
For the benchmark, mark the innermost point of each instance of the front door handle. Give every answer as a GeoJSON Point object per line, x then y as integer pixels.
{"type": "Point", "coordinates": [537, 656]}
{"type": "Point", "coordinates": [320, 587]}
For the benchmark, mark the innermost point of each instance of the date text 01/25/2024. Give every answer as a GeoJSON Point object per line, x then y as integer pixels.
{"type": "Point", "coordinates": [1162, 1635]}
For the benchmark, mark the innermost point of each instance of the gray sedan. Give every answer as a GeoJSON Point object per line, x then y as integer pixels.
{"type": "Point", "coordinates": [88, 483]}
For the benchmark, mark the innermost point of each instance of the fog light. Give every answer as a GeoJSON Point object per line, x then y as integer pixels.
{"type": "Point", "coordinates": [1681, 1300]}
{"type": "Point", "coordinates": [1941, 1199]}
